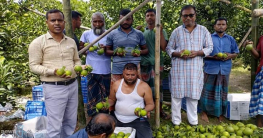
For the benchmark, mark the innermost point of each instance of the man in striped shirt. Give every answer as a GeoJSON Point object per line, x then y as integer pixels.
{"type": "Point", "coordinates": [186, 74]}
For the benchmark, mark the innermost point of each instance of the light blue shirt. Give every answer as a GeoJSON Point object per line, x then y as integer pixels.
{"type": "Point", "coordinates": [226, 44]}
{"type": "Point", "coordinates": [101, 64]}
{"type": "Point", "coordinates": [118, 38]}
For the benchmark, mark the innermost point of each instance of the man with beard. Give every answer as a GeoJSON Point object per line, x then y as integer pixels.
{"type": "Point", "coordinates": [99, 78]}
{"type": "Point", "coordinates": [48, 53]}
{"type": "Point", "coordinates": [127, 94]}
{"type": "Point", "coordinates": [216, 72]}
{"type": "Point", "coordinates": [186, 74]}
{"type": "Point", "coordinates": [148, 61]}
{"type": "Point", "coordinates": [128, 38]}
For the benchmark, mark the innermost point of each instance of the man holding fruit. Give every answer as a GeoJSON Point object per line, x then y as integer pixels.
{"type": "Point", "coordinates": [217, 68]}
{"type": "Point", "coordinates": [48, 54]}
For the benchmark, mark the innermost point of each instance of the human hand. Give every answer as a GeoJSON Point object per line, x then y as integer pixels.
{"type": "Point", "coordinates": [139, 27]}
{"type": "Point", "coordinates": [193, 54]}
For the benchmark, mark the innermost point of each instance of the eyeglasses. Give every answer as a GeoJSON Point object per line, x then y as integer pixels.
{"type": "Point", "coordinates": [188, 15]}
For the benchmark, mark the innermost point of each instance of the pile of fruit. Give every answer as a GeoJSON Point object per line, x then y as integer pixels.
{"type": "Point", "coordinates": [141, 112]}
{"type": "Point", "coordinates": [100, 50]}
{"type": "Point", "coordinates": [238, 130]}
{"type": "Point", "coordinates": [83, 72]}
{"type": "Point", "coordinates": [120, 135]}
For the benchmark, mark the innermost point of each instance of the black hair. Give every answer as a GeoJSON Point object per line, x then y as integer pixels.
{"type": "Point", "coordinates": [220, 19]}
{"type": "Point", "coordinates": [75, 14]}
{"type": "Point", "coordinates": [130, 66]}
{"type": "Point", "coordinates": [97, 127]}
{"type": "Point", "coordinates": [187, 7]}
{"type": "Point", "coordinates": [54, 11]}
{"type": "Point", "coordinates": [124, 12]}
{"type": "Point", "coordinates": [150, 10]}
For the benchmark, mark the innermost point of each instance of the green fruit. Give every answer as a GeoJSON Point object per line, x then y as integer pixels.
{"type": "Point", "coordinates": [138, 109]}
{"type": "Point", "coordinates": [220, 55]}
{"type": "Point", "coordinates": [230, 129]}
{"type": "Point", "coordinates": [91, 49]}
{"type": "Point", "coordinates": [100, 51]}
{"type": "Point", "coordinates": [121, 134]}
{"type": "Point", "coordinates": [239, 133]}
{"type": "Point", "coordinates": [186, 52]}
{"type": "Point", "coordinates": [95, 47]}
{"type": "Point", "coordinates": [247, 131]}
{"type": "Point", "coordinates": [253, 127]}
{"type": "Point", "coordinates": [120, 50]}
{"type": "Point", "coordinates": [61, 71]}
{"type": "Point", "coordinates": [210, 12]}
{"type": "Point", "coordinates": [249, 47]}
{"type": "Point", "coordinates": [25, 15]}
{"type": "Point", "coordinates": [99, 105]}
{"type": "Point", "coordinates": [154, 30]}
{"type": "Point", "coordinates": [224, 55]}
{"type": "Point", "coordinates": [84, 73]}
{"type": "Point", "coordinates": [68, 73]}
{"type": "Point", "coordinates": [86, 44]}
{"type": "Point", "coordinates": [207, 7]}
{"type": "Point", "coordinates": [89, 68]}
{"type": "Point", "coordinates": [136, 51]}
{"type": "Point", "coordinates": [142, 29]}
{"type": "Point", "coordinates": [112, 135]}
{"type": "Point", "coordinates": [176, 127]}
{"type": "Point", "coordinates": [143, 112]}
{"type": "Point", "coordinates": [78, 68]}
{"type": "Point", "coordinates": [128, 134]}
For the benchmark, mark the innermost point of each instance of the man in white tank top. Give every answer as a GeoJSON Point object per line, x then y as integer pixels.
{"type": "Point", "coordinates": [127, 94]}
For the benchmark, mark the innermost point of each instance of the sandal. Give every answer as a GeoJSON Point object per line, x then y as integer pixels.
{"type": "Point", "coordinates": [164, 115]}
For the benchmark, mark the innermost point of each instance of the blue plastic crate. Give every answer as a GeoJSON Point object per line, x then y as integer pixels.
{"type": "Point", "coordinates": [165, 83]}
{"type": "Point", "coordinates": [183, 106]}
{"type": "Point", "coordinates": [84, 89]}
{"type": "Point", "coordinates": [37, 93]}
{"type": "Point", "coordinates": [35, 109]}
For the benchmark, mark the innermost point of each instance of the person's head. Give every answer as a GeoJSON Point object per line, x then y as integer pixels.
{"type": "Point", "coordinates": [130, 73]}
{"type": "Point", "coordinates": [76, 19]}
{"type": "Point", "coordinates": [98, 23]}
{"type": "Point", "coordinates": [126, 24]}
{"type": "Point", "coordinates": [55, 21]}
{"type": "Point", "coordinates": [220, 25]}
{"type": "Point", "coordinates": [150, 16]}
{"type": "Point", "coordinates": [101, 126]}
{"type": "Point", "coordinates": [188, 15]}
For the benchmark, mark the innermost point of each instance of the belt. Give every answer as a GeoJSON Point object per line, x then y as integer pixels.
{"type": "Point", "coordinates": [60, 82]}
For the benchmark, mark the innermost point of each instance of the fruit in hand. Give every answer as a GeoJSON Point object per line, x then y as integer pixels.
{"type": "Point", "coordinates": [95, 47]}
{"type": "Point", "coordinates": [91, 49]}
{"type": "Point", "coordinates": [249, 47]}
{"type": "Point", "coordinates": [99, 105]}
{"type": "Point", "coordinates": [136, 51]}
{"type": "Point", "coordinates": [86, 44]}
{"type": "Point", "coordinates": [68, 73]}
{"type": "Point", "coordinates": [220, 55]}
{"type": "Point", "coordinates": [186, 53]}
{"type": "Point", "coordinates": [100, 51]}
{"type": "Point", "coordinates": [84, 72]}
{"type": "Point", "coordinates": [61, 71]}
{"type": "Point", "coordinates": [224, 55]}
{"type": "Point", "coordinates": [120, 51]}
{"type": "Point", "coordinates": [138, 109]}
{"type": "Point", "coordinates": [89, 68]}
{"type": "Point", "coordinates": [143, 112]}
{"type": "Point", "coordinates": [78, 68]}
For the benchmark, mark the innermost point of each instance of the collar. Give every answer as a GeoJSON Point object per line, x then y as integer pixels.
{"type": "Point", "coordinates": [49, 36]}
{"type": "Point", "coordinates": [195, 25]}
{"type": "Point", "coordinates": [215, 34]}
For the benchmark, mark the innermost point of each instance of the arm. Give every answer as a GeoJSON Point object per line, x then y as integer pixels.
{"type": "Point", "coordinates": [208, 44]}
{"type": "Point", "coordinates": [171, 46]}
{"type": "Point", "coordinates": [148, 98]}
{"type": "Point", "coordinates": [144, 50]}
{"type": "Point", "coordinates": [255, 52]}
{"type": "Point", "coordinates": [163, 40]}
{"type": "Point", "coordinates": [76, 58]}
{"type": "Point", "coordinates": [112, 97]}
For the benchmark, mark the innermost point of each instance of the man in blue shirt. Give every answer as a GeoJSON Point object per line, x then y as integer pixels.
{"type": "Point", "coordinates": [217, 67]}
{"type": "Point", "coordinates": [100, 126]}
{"type": "Point", "coordinates": [128, 38]}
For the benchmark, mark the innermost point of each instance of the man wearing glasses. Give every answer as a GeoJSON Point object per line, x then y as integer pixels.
{"type": "Point", "coordinates": [188, 45]}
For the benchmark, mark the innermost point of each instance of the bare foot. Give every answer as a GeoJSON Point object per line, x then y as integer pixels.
{"type": "Point", "coordinates": [221, 118]}
{"type": "Point", "coordinates": [204, 117]}
{"type": "Point", "coordinates": [259, 120]}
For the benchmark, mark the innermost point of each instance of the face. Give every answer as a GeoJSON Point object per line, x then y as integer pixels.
{"type": "Point", "coordinates": [55, 23]}
{"type": "Point", "coordinates": [150, 18]}
{"type": "Point", "coordinates": [188, 17]}
{"type": "Point", "coordinates": [98, 24]}
{"type": "Point", "coordinates": [126, 24]}
{"type": "Point", "coordinates": [220, 26]}
{"type": "Point", "coordinates": [130, 76]}
{"type": "Point", "coordinates": [77, 22]}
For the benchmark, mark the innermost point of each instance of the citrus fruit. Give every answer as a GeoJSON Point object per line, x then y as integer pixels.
{"type": "Point", "coordinates": [207, 7]}
{"type": "Point", "coordinates": [68, 73]}
{"type": "Point", "coordinates": [247, 131]}
{"type": "Point", "coordinates": [78, 68]}
{"type": "Point", "coordinates": [249, 47]}
{"type": "Point", "coordinates": [121, 134]}
{"type": "Point", "coordinates": [95, 47]}
{"type": "Point", "coordinates": [84, 73]}
{"type": "Point", "coordinates": [201, 136]}
{"type": "Point", "coordinates": [225, 134]}
{"type": "Point", "coordinates": [91, 49]}
{"type": "Point", "coordinates": [239, 133]}
{"type": "Point", "coordinates": [86, 44]}
{"type": "Point", "coordinates": [253, 127]}
{"type": "Point", "coordinates": [210, 12]}
{"type": "Point", "coordinates": [89, 68]}
{"type": "Point", "coordinates": [176, 127]}
{"type": "Point", "coordinates": [224, 55]}
{"type": "Point", "coordinates": [230, 129]}
{"type": "Point", "coordinates": [137, 109]}
{"type": "Point", "coordinates": [220, 55]}
{"type": "Point", "coordinates": [100, 51]}
{"type": "Point", "coordinates": [61, 71]}
{"type": "Point", "coordinates": [143, 112]}
{"type": "Point", "coordinates": [99, 105]}
{"type": "Point", "coordinates": [219, 127]}
{"type": "Point", "coordinates": [113, 136]}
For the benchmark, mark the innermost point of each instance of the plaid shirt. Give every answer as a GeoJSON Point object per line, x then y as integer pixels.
{"type": "Point", "coordinates": [187, 75]}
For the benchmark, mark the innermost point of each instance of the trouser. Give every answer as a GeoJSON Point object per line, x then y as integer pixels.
{"type": "Point", "coordinates": [61, 105]}
{"type": "Point", "coordinates": [191, 106]}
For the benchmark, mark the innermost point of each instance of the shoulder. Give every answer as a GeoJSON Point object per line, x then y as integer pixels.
{"type": "Point", "coordinates": [38, 40]}
{"type": "Point", "coordinates": [144, 85]}
{"type": "Point", "coordinates": [87, 32]}
{"type": "Point", "coordinates": [69, 38]}
{"type": "Point", "coordinates": [117, 83]}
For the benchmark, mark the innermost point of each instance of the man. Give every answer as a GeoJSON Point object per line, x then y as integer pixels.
{"type": "Point", "coordinates": [129, 38]}
{"type": "Point", "coordinates": [48, 53]}
{"type": "Point", "coordinates": [100, 126]}
{"type": "Point", "coordinates": [187, 70]}
{"type": "Point", "coordinates": [148, 61]}
{"type": "Point", "coordinates": [99, 78]}
{"type": "Point", "coordinates": [216, 72]}
{"type": "Point", "coordinates": [127, 94]}
{"type": "Point", "coordinates": [76, 22]}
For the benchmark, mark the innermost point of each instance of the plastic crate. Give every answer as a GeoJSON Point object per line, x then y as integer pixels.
{"type": "Point", "coordinates": [35, 109]}
{"type": "Point", "coordinates": [183, 106]}
{"type": "Point", "coordinates": [165, 84]}
{"type": "Point", "coordinates": [84, 89]}
{"type": "Point", "coordinates": [37, 93]}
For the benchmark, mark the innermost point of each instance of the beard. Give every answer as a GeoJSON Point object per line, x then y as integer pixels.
{"type": "Point", "coordinates": [98, 31]}
{"type": "Point", "coordinates": [220, 31]}
{"type": "Point", "coordinates": [126, 26]}
{"type": "Point", "coordinates": [130, 82]}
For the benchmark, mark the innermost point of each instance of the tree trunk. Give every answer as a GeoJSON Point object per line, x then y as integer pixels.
{"type": "Point", "coordinates": [68, 28]}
